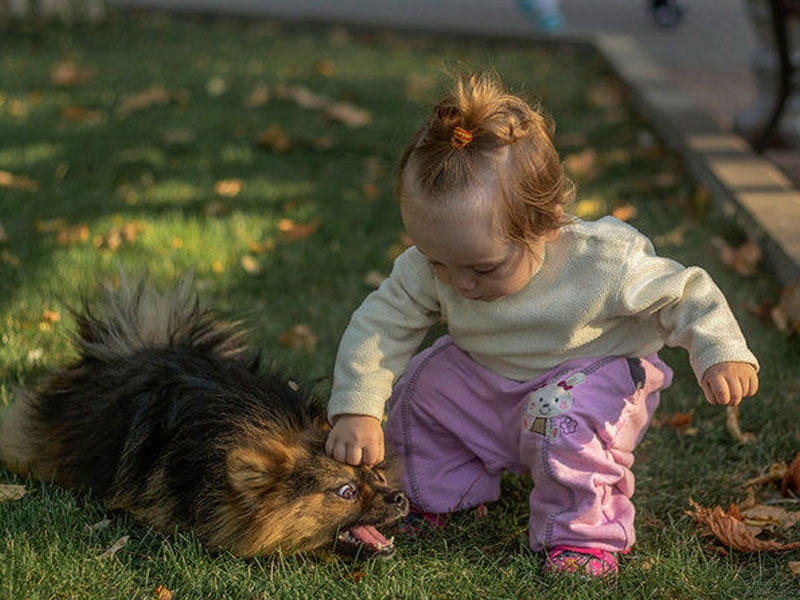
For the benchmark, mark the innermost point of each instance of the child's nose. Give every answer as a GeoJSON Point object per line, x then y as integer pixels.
{"type": "Point", "coordinates": [464, 281]}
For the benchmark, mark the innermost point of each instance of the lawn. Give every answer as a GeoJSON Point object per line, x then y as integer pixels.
{"type": "Point", "coordinates": [261, 156]}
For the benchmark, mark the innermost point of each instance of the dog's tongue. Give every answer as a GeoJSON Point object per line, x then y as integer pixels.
{"type": "Point", "coordinates": [371, 538]}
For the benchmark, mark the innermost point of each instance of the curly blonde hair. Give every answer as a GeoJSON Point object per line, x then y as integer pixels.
{"type": "Point", "coordinates": [510, 145]}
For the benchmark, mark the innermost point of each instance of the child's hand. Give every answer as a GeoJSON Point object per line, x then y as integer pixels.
{"type": "Point", "coordinates": [356, 439]}
{"type": "Point", "coordinates": [729, 382]}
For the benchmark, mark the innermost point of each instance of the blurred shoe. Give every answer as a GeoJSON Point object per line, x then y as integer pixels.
{"type": "Point", "coordinates": [592, 562]}
{"type": "Point", "coordinates": [548, 20]}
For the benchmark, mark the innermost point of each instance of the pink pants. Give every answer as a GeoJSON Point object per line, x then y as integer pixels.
{"type": "Point", "coordinates": [457, 426]}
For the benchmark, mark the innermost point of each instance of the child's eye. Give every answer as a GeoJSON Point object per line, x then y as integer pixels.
{"type": "Point", "coordinates": [348, 491]}
{"type": "Point", "coordinates": [486, 270]}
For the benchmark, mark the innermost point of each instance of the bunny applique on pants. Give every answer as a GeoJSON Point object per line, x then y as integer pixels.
{"type": "Point", "coordinates": [457, 426]}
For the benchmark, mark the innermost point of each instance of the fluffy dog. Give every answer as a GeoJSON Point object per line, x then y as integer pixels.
{"type": "Point", "coordinates": [167, 415]}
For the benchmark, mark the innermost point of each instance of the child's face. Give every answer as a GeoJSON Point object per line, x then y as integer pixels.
{"type": "Point", "coordinates": [468, 252]}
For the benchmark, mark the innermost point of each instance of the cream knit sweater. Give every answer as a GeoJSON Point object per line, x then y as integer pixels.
{"type": "Point", "coordinates": [601, 291]}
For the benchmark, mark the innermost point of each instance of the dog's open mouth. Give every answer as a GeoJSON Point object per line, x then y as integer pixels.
{"type": "Point", "coordinates": [365, 540]}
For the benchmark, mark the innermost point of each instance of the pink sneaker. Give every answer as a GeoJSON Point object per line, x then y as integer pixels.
{"type": "Point", "coordinates": [586, 561]}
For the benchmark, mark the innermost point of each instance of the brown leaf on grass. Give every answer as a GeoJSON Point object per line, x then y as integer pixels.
{"type": "Point", "coordinates": [766, 517]}
{"type": "Point", "coordinates": [117, 236]}
{"type": "Point", "coordinates": [258, 97]}
{"type": "Point", "coordinates": [114, 548]}
{"type": "Point", "coordinates": [3, 234]}
{"type": "Point", "coordinates": [682, 423]}
{"type": "Point", "coordinates": [179, 136]}
{"type": "Point", "coordinates": [729, 528]}
{"type": "Point", "coordinates": [344, 112]}
{"type": "Point", "coordinates": [274, 138]}
{"type": "Point", "coordinates": [267, 245]}
{"type": "Point", "coordinates": [734, 428]}
{"type": "Point", "coordinates": [296, 231]}
{"type": "Point", "coordinates": [300, 337]}
{"type": "Point", "coordinates": [794, 567]}
{"type": "Point", "coordinates": [162, 593]}
{"type": "Point", "coordinates": [72, 234]}
{"type": "Point", "coordinates": [791, 479]}
{"type": "Point", "coordinates": [216, 208]}
{"type": "Point", "coordinates": [325, 67]}
{"type": "Point", "coordinates": [79, 114]}
{"type": "Point", "coordinates": [776, 473]}
{"type": "Point", "coordinates": [349, 114]}
{"type": "Point", "coordinates": [9, 258]}
{"type": "Point", "coordinates": [11, 492]}
{"type": "Point", "coordinates": [743, 259]}
{"type": "Point", "coordinates": [228, 187]}
{"type": "Point", "coordinates": [786, 313]}
{"type": "Point", "coordinates": [17, 182]}
{"type": "Point", "coordinates": [581, 163]}
{"type": "Point", "coordinates": [625, 212]}
{"type": "Point", "coordinates": [67, 73]}
{"type": "Point", "coordinates": [156, 95]}
{"type": "Point", "coordinates": [251, 265]}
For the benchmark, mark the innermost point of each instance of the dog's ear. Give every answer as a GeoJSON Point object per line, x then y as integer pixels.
{"type": "Point", "coordinates": [321, 423]}
{"type": "Point", "coordinates": [254, 467]}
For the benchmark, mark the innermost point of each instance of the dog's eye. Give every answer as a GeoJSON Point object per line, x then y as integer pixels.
{"type": "Point", "coordinates": [348, 491]}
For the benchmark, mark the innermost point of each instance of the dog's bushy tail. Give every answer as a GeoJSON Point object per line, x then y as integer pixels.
{"type": "Point", "coordinates": [135, 315]}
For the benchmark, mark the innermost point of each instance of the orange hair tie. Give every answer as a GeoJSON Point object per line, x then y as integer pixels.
{"type": "Point", "coordinates": [461, 137]}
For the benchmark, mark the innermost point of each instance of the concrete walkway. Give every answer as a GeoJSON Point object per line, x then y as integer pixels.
{"type": "Point", "coordinates": [690, 80]}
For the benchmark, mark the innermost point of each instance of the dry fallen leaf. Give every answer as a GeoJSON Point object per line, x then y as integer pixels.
{"type": "Point", "coordinates": [743, 259]}
{"type": "Point", "coordinates": [162, 593]}
{"type": "Point", "coordinates": [786, 313]}
{"type": "Point", "coordinates": [776, 472]}
{"type": "Point", "coordinates": [791, 480]}
{"type": "Point", "coordinates": [3, 234]}
{"type": "Point", "coordinates": [349, 114]}
{"type": "Point", "coordinates": [228, 187]}
{"type": "Point", "coordinates": [326, 68]}
{"type": "Point", "coordinates": [733, 427]}
{"type": "Point", "coordinates": [299, 337]}
{"type": "Point", "coordinates": [67, 74]}
{"type": "Point", "coordinates": [216, 208]}
{"type": "Point", "coordinates": [154, 96]}
{"type": "Point", "coordinates": [274, 138]}
{"type": "Point", "coordinates": [11, 492]}
{"type": "Point", "coordinates": [9, 258]}
{"type": "Point", "coordinates": [79, 114]}
{"type": "Point", "coordinates": [258, 97]}
{"type": "Point", "coordinates": [625, 212]}
{"type": "Point", "coordinates": [251, 265]}
{"type": "Point", "coordinates": [75, 234]}
{"type": "Point", "coordinates": [763, 516]}
{"type": "Point", "coordinates": [17, 182]}
{"type": "Point", "coordinates": [581, 163]}
{"type": "Point", "coordinates": [296, 231]}
{"type": "Point", "coordinates": [729, 528]}
{"type": "Point", "coordinates": [114, 548]}
{"type": "Point", "coordinates": [117, 236]}
{"type": "Point", "coordinates": [794, 567]}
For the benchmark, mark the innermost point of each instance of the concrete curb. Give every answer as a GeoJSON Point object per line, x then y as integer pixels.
{"type": "Point", "coordinates": [744, 185]}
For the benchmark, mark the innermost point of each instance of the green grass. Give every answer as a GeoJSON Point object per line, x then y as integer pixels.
{"type": "Point", "coordinates": [112, 169]}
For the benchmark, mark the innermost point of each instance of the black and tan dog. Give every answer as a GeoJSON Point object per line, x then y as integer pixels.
{"type": "Point", "coordinates": [167, 415]}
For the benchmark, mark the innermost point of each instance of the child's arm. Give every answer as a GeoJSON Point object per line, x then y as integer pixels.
{"type": "Point", "coordinates": [356, 439]}
{"type": "Point", "coordinates": [729, 382]}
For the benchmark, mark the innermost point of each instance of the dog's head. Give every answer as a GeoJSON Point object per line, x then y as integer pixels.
{"type": "Point", "coordinates": [286, 493]}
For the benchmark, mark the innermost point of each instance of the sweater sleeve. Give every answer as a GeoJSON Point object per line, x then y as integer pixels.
{"type": "Point", "coordinates": [382, 335]}
{"type": "Point", "coordinates": [685, 305]}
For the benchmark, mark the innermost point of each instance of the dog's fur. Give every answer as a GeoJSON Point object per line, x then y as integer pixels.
{"type": "Point", "coordinates": [165, 414]}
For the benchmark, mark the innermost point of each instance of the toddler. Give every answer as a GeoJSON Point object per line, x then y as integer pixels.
{"type": "Point", "coordinates": [550, 365]}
